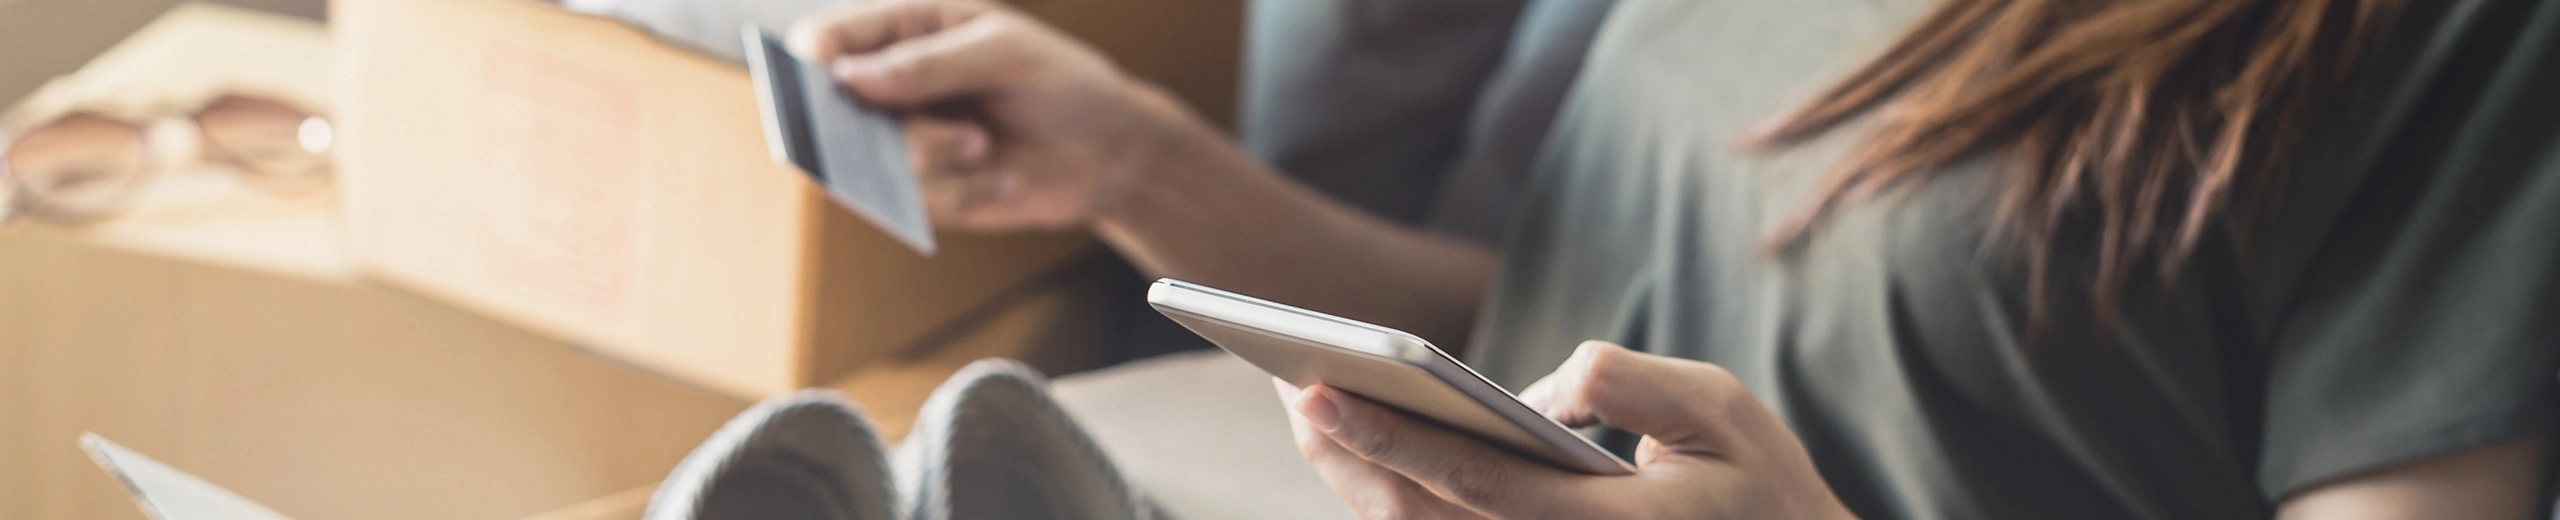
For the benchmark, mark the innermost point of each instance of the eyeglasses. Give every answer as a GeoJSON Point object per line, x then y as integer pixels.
{"type": "Point", "coordinates": [87, 165]}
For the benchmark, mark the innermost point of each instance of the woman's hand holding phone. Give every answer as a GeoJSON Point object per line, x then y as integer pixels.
{"type": "Point", "coordinates": [1710, 450]}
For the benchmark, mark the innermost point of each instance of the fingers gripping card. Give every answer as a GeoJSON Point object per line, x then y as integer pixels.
{"type": "Point", "coordinates": [856, 152]}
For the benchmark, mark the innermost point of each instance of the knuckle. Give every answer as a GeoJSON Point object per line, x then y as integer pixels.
{"type": "Point", "coordinates": [1005, 26]}
{"type": "Point", "coordinates": [1716, 382]}
{"type": "Point", "coordinates": [1004, 30]}
{"type": "Point", "coordinates": [1716, 376]}
{"type": "Point", "coordinates": [1019, 34]}
{"type": "Point", "coordinates": [905, 67]}
{"type": "Point", "coordinates": [1600, 379]}
{"type": "Point", "coordinates": [1376, 443]}
{"type": "Point", "coordinates": [1601, 360]}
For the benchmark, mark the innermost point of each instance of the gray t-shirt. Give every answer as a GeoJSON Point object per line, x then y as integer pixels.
{"type": "Point", "coordinates": [1425, 112]}
{"type": "Point", "coordinates": [2405, 302]}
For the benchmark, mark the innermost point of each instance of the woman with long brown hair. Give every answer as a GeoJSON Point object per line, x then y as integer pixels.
{"type": "Point", "coordinates": [1959, 259]}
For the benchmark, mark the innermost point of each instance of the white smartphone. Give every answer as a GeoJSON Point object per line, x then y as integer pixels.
{"type": "Point", "coordinates": [1385, 365]}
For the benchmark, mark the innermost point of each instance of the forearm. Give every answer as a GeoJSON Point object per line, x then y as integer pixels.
{"type": "Point", "coordinates": [1059, 137]}
{"type": "Point", "coordinates": [2503, 480]}
{"type": "Point", "coordinates": [1200, 209]}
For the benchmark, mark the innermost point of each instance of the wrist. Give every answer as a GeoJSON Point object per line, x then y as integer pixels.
{"type": "Point", "coordinates": [1161, 140]}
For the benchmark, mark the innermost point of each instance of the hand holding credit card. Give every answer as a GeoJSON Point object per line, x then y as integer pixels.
{"type": "Point", "coordinates": [856, 152]}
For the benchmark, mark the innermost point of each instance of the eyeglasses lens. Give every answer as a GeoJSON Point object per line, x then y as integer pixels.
{"type": "Point", "coordinates": [282, 147]}
{"type": "Point", "coordinates": [8, 190]}
{"type": "Point", "coordinates": [77, 167]}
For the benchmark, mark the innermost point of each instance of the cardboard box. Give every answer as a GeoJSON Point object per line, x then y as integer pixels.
{"type": "Point", "coordinates": [576, 177]}
{"type": "Point", "coordinates": [229, 332]}
{"type": "Point", "coordinates": [236, 336]}
{"type": "Point", "coordinates": [321, 398]}
{"type": "Point", "coordinates": [326, 397]}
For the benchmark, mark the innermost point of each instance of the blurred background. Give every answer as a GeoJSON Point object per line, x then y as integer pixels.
{"type": "Point", "coordinates": [495, 258]}
{"type": "Point", "coordinates": [40, 39]}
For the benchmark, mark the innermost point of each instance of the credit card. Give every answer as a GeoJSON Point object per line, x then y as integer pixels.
{"type": "Point", "coordinates": [856, 152]}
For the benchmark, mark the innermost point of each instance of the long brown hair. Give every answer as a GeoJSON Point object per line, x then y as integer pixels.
{"type": "Point", "coordinates": [2142, 123]}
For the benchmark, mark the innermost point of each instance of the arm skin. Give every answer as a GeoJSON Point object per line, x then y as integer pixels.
{"type": "Point", "coordinates": [1206, 212]}
{"type": "Point", "coordinates": [1061, 138]}
{"type": "Point", "coordinates": [2503, 480]}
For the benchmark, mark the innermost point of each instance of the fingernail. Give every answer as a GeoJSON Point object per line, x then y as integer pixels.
{"type": "Point", "coordinates": [1319, 408]}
